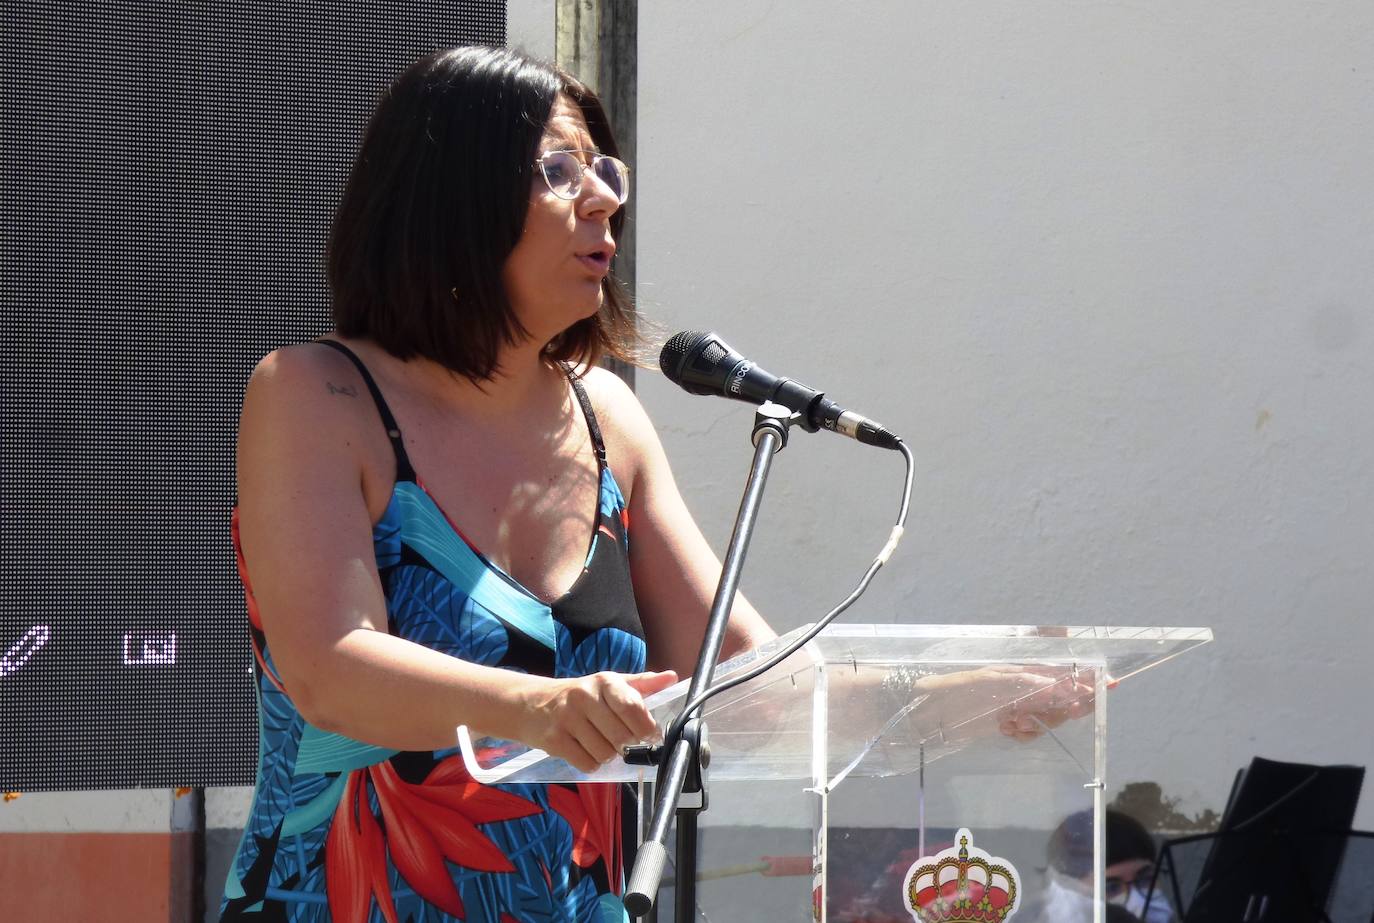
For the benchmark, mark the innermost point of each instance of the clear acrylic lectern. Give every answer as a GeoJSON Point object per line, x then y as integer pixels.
{"type": "Point", "coordinates": [892, 771]}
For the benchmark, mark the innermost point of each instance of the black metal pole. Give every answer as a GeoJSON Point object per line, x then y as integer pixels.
{"type": "Point", "coordinates": [648, 791]}
{"type": "Point", "coordinates": [771, 423]}
{"type": "Point", "coordinates": [685, 906]}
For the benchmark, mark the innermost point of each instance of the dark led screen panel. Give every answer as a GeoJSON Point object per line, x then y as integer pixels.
{"type": "Point", "coordinates": [169, 172]}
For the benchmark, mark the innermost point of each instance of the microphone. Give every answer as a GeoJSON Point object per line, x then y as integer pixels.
{"type": "Point", "coordinates": [703, 363]}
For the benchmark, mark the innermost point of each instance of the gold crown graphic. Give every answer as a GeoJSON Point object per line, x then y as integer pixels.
{"type": "Point", "coordinates": [951, 887]}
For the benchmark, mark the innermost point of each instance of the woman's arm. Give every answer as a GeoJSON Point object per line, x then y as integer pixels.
{"type": "Point", "coordinates": [674, 570]}
{"type": "Point", "coordinates": [306, 535]}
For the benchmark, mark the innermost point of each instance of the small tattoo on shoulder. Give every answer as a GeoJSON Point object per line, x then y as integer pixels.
{"type": "Point", "coordinates": [345, 390]}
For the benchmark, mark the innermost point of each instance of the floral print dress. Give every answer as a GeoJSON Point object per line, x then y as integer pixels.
{"type": "Point", "coordinates": [342, 830]}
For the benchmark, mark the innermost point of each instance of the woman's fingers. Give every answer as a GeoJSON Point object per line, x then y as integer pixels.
{"type": "Point", "coordinates": [649, 683]}
{"type": "Point", "coordinates": [1027, 701]}
{"type": "Point", "coordinates": [1023, 728]}
{"type": "Point", "coordinates": [601, 745]}
{"type": "Point", "coordinates": [621, 718]}
{"type": "Point", "coordinates": [601, 714]}
{"type": "Point", "coordinates": [626, 699]}
{"type": "Point", "coordinates": [567, 746]}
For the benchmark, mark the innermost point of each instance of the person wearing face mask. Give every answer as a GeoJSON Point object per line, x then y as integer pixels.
{"type": "Point", "coordinates": [1129, 872]}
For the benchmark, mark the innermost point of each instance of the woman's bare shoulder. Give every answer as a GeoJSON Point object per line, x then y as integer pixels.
{"type": "Point", "coordinates": [309, 379]}
{"type": "Point", "coordinates": [629, 434]}
{"type": "Point", "coordinates": [302, 365]}
{"type": "Point", "coordinates": [618, 404]}
{"type": "Point", "coordinates": [309, 402]}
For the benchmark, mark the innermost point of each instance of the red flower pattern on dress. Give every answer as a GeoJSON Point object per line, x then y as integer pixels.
{"type": "Point", "coordinates": [254, 617]}
{"type": "Point", "coordinates": [592, 810]}
{"type": "Point", "coordinates": [426, 825]}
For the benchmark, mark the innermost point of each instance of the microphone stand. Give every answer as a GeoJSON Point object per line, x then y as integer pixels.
{"type": "Point", "coordinates": [682, 761]}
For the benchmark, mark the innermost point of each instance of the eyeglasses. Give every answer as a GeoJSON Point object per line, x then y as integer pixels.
{"type": "Point", "coordinates": [564, 170]}
{"type": "Point", "coordinates": [1116, 889]}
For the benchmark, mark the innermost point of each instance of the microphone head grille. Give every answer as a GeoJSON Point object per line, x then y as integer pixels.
{"type": "Point", "coordinates": [675, 351]}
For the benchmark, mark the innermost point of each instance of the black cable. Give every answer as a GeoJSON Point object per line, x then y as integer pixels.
{"type": "Point", "coordinates": [674, 731]}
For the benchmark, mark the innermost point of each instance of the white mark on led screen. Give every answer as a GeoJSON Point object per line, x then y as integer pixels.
{"type": "Point", "coordinates": [144, 648]}
{"type": "Point", "coordinates": [24, 648]}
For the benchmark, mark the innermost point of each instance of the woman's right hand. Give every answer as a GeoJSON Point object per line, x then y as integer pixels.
{"type": "Point", "coordinates": [589, 720]}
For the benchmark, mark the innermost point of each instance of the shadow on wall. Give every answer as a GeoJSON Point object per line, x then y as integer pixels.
{"type": "Point", "coordinates": [1145, 801]}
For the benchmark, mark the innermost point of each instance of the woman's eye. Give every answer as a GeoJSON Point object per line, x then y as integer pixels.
{"type": "Point", "coordinates": [557, 170]}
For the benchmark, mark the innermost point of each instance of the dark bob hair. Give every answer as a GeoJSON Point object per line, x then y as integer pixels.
{"type": "Point", "coordinates": [1070, 847]}
{"type": "Point", "coordinates": [435, 202]}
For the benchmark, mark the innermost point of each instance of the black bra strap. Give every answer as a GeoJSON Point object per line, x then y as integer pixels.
{"type": "Point", "coordinates": [592, 427]}
{"type": "Point", "coordinates": [404, 472]}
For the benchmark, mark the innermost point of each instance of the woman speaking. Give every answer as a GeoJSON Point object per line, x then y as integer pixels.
{"type": "Point", "coordinates": [448, 514]}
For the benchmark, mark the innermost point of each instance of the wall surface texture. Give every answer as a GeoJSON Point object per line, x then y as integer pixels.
{"type": "Point", "coordinates": [1108, 268]}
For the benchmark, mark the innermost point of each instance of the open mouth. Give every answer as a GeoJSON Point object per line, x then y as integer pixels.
{"type": "Point", "coordinates": [598, 260]}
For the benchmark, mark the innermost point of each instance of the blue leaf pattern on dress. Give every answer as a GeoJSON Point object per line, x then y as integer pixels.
{"type": "Point", "coordinates": [611, 500]}
{"type": "Point", "coordinates": [613, 910]}
{"type": "Point", "coordinates": [279, 728]}
{"type": "Point", "coordinates": [429, 534]}
{"type": "Point", "coordinates": [386, 536]}
{"type": "Point", "coordinates": [603, 649]}
{"type": "Point", "coordinates": [429, 610]}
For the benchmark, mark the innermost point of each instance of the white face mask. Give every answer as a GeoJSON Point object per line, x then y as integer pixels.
{"type": "Point", "coordinates": [1158, 910]}
{"type": "Point", "coordinates": [1066, 901]}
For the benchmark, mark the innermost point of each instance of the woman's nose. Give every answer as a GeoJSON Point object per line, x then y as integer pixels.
{"type": "Point", "coordinates": [596, 197]}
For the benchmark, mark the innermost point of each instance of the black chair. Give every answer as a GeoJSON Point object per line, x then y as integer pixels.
{"type": "Point", "coordinates": [1284, 853]}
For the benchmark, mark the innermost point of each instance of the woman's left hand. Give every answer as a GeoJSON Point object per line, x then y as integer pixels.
{"type": "Point", "coordinates": [1024, 701]}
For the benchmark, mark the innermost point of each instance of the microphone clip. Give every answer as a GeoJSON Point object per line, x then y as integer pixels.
{"type": "Point", "coordinates": [775, 418]}
{"type": "Point", "coordinates": [643, 755]}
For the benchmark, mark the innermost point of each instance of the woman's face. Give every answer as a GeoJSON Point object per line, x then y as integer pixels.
{"type": "Point", "coordinates": [553, 276]}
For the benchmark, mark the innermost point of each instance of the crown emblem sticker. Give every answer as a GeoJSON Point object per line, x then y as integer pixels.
{"type": "Point", "coordinates": [961, 884]}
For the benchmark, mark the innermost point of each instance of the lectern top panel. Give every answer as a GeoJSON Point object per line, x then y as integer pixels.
{"type": "Point", "coordinates": [882, 700]}
{"type": "Point", "coordinates": [1122, 651]}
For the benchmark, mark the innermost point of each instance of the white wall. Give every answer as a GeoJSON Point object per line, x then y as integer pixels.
{"type": "Point", "coordinates": [1108, 268]}
{"type": "Point", "coordinates": [530, 27]}
{"type": "Point", "coordinates": [128, 811]}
